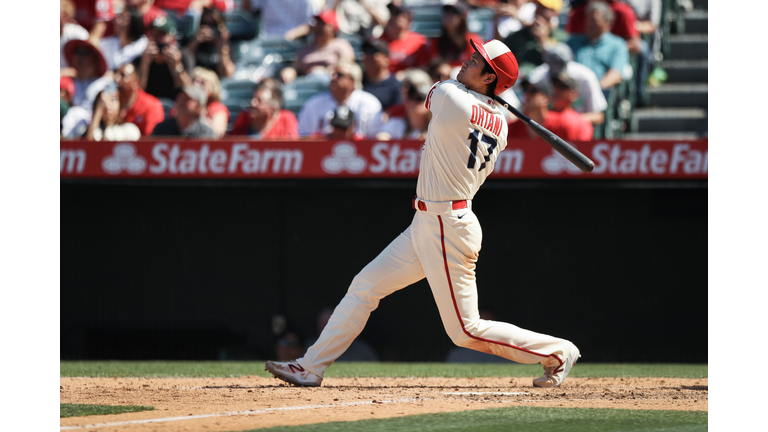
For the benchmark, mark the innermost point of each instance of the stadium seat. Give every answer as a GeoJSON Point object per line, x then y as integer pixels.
{"type": "Point", "coordinates": [167, 105]}
{"type": "Point", "coordinates": [479, 20]}
{"type": "Point", "coordinates": [296, 94]}
{"type": "Point", "coordinates": [427, 20]}
{"type": "Point", "coordinates": [241, 25]}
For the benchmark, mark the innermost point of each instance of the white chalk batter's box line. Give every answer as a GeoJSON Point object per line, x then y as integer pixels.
{"type": "Point", "coordinates": [235, 413]}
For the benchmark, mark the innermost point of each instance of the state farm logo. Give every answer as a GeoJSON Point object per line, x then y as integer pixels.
{"type": "Point", "coordinates": [124, 158]}
{"type": "Point", "coordinates": [344, 157]}
{"type": "Point", "coordinates": [556, 163]}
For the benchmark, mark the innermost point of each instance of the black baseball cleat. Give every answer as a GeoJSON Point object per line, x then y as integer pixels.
{"type": "Point", "coordinates": [292, 373]}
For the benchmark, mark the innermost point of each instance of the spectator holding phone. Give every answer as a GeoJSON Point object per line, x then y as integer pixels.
{"type": "Point", "coordinates": [105, 121]}
{"type": "Point", "coordinates": [210, 46]}
{"type": "Point", "coordinates": [163, 67]}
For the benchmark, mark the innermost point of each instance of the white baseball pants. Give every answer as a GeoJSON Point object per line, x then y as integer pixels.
{"type": "Point", "coordinates": [442, 245]}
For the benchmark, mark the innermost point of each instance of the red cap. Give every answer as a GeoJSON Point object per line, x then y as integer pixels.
{"type": "Point", "coordinates": [68, 85]}
{"type": "Point", "coordinates": [501, 59]}
{"type": "Point", "coordinates": [69, 50]}
{"type": "Point", "coordinates": [328, 16]}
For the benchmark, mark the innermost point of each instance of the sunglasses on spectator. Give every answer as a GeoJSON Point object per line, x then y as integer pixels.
{"type": "Point", "coordinates": [337, 74]}
{"type": "Point", "coordinates": [560, 85]}
{"type": "Point", "coordinates": [82, 52]}
{"type": "Point", "coordinates": [530, 89]}
{"type": "Point", "coordinates": [414, 95]}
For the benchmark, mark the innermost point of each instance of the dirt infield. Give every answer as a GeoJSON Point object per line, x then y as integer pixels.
{"type": "Point", "coordinates": [232, 404]}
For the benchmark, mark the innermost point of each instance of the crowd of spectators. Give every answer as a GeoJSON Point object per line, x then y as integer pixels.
{"type": "Point", "coordinates": [129, 71]}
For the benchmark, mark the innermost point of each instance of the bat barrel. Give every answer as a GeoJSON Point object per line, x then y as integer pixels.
{"type": "Point", "coordinates": [568, 151]}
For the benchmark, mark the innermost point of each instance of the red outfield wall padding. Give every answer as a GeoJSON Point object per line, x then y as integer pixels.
{"type": "Point", "coordinates": [522, 159]}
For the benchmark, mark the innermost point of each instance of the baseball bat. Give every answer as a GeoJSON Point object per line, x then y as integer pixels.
{"type": "Point", "coordinates": [568, 151]}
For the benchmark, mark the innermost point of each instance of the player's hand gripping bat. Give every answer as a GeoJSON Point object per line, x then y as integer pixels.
{"type": "Point", "coordinates": [557, 143]}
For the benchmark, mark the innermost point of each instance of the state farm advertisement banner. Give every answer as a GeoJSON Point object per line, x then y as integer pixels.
{"type": "Point", "coordinates": [524, 159]}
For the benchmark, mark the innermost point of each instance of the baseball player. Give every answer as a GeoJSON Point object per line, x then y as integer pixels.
{"type": "Point", "coordinates": [466, 134]}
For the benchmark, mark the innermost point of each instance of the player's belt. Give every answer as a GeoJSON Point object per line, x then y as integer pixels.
{"type": "Point", "coordinates": [439, 207]}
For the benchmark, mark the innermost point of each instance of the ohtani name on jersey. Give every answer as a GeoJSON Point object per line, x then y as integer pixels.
{"type": "Point", "coordinates": [486, 120]}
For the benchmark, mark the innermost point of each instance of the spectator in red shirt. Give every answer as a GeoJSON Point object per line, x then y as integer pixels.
{"type": "Point", "coordinates": [405, 46]}
{"type": "Point", "coordinates": [562, 120]}
{"type": "Point", "coordinates": [94, 15]}
{"type": "Point", "coordinates": [623, 23]}
{"type": "Point", "coordinates": [266, 119]}
{"type": "Point", "coordinates": [453, 43]}
{"type": "Point", "coordinates": [216, 114]}
{"type": "Point", "coordinates": [179, 7]}
{"type": "Point", "coordinates": [568, 124]}
{"type": "Point", "coordinates": [137, 106]}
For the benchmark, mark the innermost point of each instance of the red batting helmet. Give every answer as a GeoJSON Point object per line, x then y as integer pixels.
{"type": "Point", "coordinates": [501, 60]}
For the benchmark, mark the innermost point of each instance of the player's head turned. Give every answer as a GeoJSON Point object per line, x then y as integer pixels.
{"type": "Point", "coordinates": [499, 61]}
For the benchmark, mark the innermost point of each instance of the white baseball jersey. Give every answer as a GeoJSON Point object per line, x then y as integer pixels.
{"type": "Point", "coordinates": [465, 136]}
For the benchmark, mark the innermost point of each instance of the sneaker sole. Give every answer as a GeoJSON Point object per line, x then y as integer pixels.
{"type": "Point", "coordinates": [289, 380]}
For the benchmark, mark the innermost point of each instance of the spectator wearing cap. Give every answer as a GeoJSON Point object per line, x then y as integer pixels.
{"type": "Point", "coordinates": [343, 125]}
{"type": "Point", "coordinates": [94, 15]}
{"type": "Point", "coordinates": [78, 117]}
{"type": "Point", "coordinates": [265, 118]}
{"type": "Point", "coordinates": [603, 52]}
{"type": "Point", "coordinates": [187, 122]}
{"type": "Point", "coordinates": [412, 120]}
{"type": "Point", "coordinates": [68, 30]}
{"type": "Point", "coordinates": [531, 42]}
{"type": "Point", "coordinates": [567, 124]}
{"type": "Point", "coordinates": [137, 106]}
{"type": "Point", "coordinates": [284, 19]}
{"type": "Point", "coordinates": [316, 60]}
{"type": "Point", "coordinates": [163, 67]}
{"type": "Point", "coordinates": [88, 64]}
{"type": "Point", "coordinates": [591, 103]}
{"type": "Point", "coordinates": [377, 79]}
{"type": "Point", "coordinates": [452, 44]}
{"type": "Point", "coordinates": [128, 42]}
{"type": "Point", "coordinates": [345, 88]}
{"type": "Point", "coordinates": [106, 123]}
{"type": "Point", "coordinates": [209, 48]}
{"type": "Point", "coordinates": [405, 46]}
{"type": "Point", "coordinates": [66, 92]}
{"type": "Point", "coordinates": [361, 17]}
{"type": "Point", "coordinates": [216, 114]}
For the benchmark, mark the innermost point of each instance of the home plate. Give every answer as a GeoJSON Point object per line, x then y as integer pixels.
{"type": "Point", "coordinates": [488, 393]}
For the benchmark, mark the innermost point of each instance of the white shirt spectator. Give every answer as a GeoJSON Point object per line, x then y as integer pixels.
{"type": "Point", "coordinates": [277, 17]}
{"type": "Point", "coordinates": [316, 115]}
{"type": "Point", "coordinates": [71, 32]}
{"type": "Point", "coordinates": [117, 56]}
{"type": "Point", "coordinates": [508, 24]}
{"type": "Point", "coordinates": [591, 97]}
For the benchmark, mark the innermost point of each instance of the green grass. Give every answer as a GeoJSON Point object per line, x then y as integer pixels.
{"type": "Point", "coordinates": [161, 369]}
{"type": "Point", "coordinates": [79, 410]}
{"type": "Point", "coordinates": [528, 419]}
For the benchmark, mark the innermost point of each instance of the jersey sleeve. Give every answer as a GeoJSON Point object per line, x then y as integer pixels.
{"type": "Point", "coordinates": [437, 95]}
